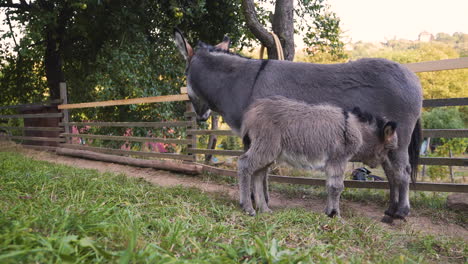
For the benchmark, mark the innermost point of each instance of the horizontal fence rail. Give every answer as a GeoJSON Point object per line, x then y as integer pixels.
{"type": "Point", "coordinates": [130, 124]}
{"type": "Point", "coordinates": [420, 186]}
{"type": "Point", "coordinates": [127, 138]}
{"type": "Point", "coordinates": [33, 105]}
{"type": "Point", "coordinates": [59, 129]}
{"type": "Point", "coordinates": [445, 102]}
{"type": "Point", "coordinates": [440, 65]}
{"type": "Point", "coordinates": [129, 152]}
{"type": "Point", "coordinates": [41, 115]}
{"type": "Point", "coordinates": [143, 100]}
{"type": "Point", "coordinates": [48, 139]}
{"type": "Point", "coordinates": [445, 133]}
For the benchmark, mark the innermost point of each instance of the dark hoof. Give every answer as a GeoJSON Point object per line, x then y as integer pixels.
{"type": "Point", "coordinates": [387, 219]}
{"type": "Point", "coordinates": [402, 213]}
{"type": "Point", "coordinates": [333, 213]}
{"type": "Point", "coordinates": [391, 210]}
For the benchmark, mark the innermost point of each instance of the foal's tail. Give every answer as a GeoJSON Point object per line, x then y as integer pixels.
{"type": "Point", "coordinates": [413, 150]}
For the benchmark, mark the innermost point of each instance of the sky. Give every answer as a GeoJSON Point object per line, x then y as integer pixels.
{"type": "Point", "coordinates": [380, 20]}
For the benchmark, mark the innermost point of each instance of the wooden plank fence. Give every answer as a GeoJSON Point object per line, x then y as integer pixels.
{"type": "Point", "coordinates": [192, 132]}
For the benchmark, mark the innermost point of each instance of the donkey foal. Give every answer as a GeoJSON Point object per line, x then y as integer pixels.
{"type": "Point", "coordinates": [310, 137]}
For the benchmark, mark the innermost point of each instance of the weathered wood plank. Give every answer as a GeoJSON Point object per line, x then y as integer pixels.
{"type": "Point", "coordinates": [130, 124]}
{"type": "Point", "coordinates": [216, 152]}
{"type": "Point", "coordinates": [47, 148]}
{"type": "Point", "coordinates": [183, 90]}
{"type": "Point", "coordinates": [41, 115]}
{"type": "Point", "coordinates": [47, 103]}
{"type": "Point", "coordinates": [124, 138]}
{"type": "Point", "coordinates": [440, 65]}
{"type": "Point", "coordinates": [33, 128]}
{"type": "Point", "coordinates": [48, 139]}
{"type": "Point", "coordinates": [129, 152]}
{"type": "Point", "coordinates": [446, 133]}
{"type": "Point", "coordinates": [445, 102]}
{"type": "Point", "coordinates": [143, 100]}
{"type": "Point", "coordinates": [188, 168]}
{"type": "Point", "coordinates": [444, 161]}
{"type": "Point", "coordinates": [212, 132]}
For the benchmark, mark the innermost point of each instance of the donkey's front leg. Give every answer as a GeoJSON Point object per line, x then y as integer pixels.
{"type": "Point", "coordinates": [244, 172]}
{"type": "Point", "coordinates": [260, 191]}
{"type": "Point", "coordinates": [335, 185]}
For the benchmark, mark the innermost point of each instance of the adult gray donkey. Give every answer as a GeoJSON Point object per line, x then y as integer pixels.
{"type": "Point", "coordinates": [228, 83]}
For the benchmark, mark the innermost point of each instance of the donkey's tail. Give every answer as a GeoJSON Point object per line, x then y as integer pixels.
{"type": "Point", "coordinates": [413, 150]}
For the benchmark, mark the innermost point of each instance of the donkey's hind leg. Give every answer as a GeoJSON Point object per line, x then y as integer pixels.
{"type": "Point", "coordinates": [390, 173]}
{"type": "Point", "coordinates": [401, 171]}
{"type": "Point", "coordinates": [335, 185]}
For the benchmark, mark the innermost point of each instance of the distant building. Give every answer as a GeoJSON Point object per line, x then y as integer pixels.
{"type": "Point", "coordinates": [425, 37]}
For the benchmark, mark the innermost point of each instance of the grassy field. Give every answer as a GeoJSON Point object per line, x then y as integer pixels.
{"type": "Point", "coordinates": [53, 214]}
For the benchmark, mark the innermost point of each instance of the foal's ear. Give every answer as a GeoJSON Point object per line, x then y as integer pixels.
{"type": "Point", "coordinates": [184, 48]}
{"type": "Point", "coordinates": [225, 44]}
{"type": "Point", "coordinates": [390, 135]}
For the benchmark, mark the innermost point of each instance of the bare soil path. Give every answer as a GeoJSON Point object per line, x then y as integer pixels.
{"type": "Point", "coordinates": [416, 223]}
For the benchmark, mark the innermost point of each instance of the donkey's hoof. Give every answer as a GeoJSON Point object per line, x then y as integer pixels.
{"type": "Point", "coordinates": [333, 213]}
{"type": "Point", "coordinates": [390, 212]}
{"type": "Point", "coordinates": [401, 213]}
{"type": "Point", "coordinates": [387, 219]}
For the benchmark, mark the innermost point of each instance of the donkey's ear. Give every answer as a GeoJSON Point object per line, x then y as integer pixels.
{"type": "Point", "coordinates": [182, 45]}
{"type": "Point", "coordinates": [390, 135]}
{"type": "Point", "coordinates": [225, 44]}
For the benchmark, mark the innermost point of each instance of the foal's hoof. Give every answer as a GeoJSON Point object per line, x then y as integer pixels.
{"type": "Point", "coordinates": [266, 210]}
{"type": "Point", "coordinates": [250, 212]}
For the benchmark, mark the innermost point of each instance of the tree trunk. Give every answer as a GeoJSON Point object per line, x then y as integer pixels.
{"type": "Point", "coordinates": [55, 34]}
{"type": "Point", "coordinates": [213, 138]}
{"type": "Point", "coordinates": [283, 27]}
{"type": "Point", "coordinates": [53, 65]}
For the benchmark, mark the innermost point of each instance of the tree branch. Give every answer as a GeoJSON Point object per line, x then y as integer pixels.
{"type": "Point", "coordinates": [22, 5]}
{"type": "Point", "coordinates": [248, 8]}
{"type": "Point", "coordinates": [11, 28]}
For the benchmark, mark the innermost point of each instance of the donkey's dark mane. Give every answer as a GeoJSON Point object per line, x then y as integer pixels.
{"type": "Point", "coordinates": [210, 49]}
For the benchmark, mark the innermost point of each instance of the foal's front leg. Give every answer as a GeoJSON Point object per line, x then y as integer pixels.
{"type": "Point", "coordinates": [260, 191]}
{"type": "Point", "coordinates": [245, 171]}
{"type": "Point", "coordinates": [335, 185]}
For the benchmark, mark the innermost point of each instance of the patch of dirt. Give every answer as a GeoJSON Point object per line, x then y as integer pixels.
{"type": "Point", "coordinates": [414, 224]}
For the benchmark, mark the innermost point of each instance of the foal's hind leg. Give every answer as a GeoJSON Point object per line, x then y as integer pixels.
{"type": "Point", "coordinates": [335, 185]}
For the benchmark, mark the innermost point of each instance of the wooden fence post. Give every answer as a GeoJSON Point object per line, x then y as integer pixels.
{"type": "Point", "coordinates": [65, 118]}
{"type": "Point", "coordinates": [190, 136]}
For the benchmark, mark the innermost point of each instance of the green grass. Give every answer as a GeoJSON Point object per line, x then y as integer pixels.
{"type": "Point", "coordinates": [53, 214]}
